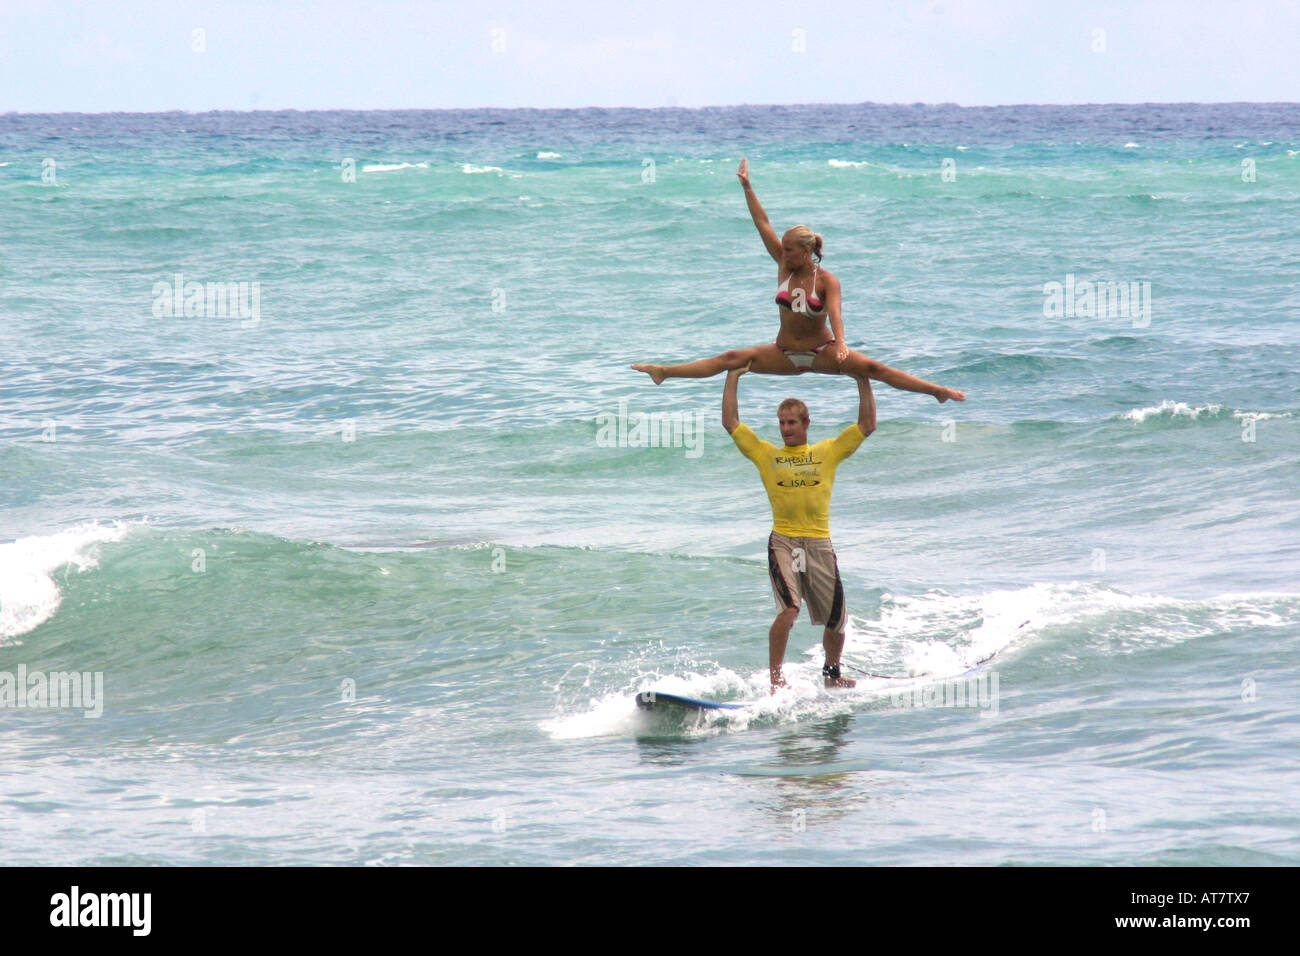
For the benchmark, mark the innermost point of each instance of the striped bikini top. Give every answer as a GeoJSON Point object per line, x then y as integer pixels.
{"type": "Point", "coordinates": [813, 306]}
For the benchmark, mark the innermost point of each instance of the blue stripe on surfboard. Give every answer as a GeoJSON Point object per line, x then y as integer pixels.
{"type": "Point", "coordinates": [649, 699]}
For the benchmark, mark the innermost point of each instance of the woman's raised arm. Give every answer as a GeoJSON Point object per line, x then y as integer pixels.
{"type": "Point", "coordinates": [756, 212]}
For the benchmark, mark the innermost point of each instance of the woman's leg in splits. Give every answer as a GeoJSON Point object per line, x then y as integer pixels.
{"type": "Point", "coordinates": [764, 359]}
{"type": "Point", "coordinates": [860, 366]}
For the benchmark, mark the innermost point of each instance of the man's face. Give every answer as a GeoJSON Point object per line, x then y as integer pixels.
{"type": "Point", "coordinates": [794, 430]}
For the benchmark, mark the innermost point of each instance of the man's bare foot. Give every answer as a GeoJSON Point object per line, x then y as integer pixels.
{"type": "Point", "coordinates": [943, 396]}
{"type": "Point", "coordinates": [656, 372]}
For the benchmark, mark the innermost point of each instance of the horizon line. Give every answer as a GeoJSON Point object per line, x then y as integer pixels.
{"type": "Point", "coordinates": [716, 106]}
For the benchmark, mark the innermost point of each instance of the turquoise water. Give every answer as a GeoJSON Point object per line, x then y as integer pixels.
{"type": "Point", "coordinates": [366, 585]}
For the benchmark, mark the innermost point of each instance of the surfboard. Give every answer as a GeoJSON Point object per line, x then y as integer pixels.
{"type": "Point", "coordinates": [654, 699]}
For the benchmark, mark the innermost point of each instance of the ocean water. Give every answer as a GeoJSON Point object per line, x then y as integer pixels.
{"type": "Point", "coordinates": [370, 558]}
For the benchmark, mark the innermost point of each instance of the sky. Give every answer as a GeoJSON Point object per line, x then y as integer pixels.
{"type": "Point", "coordinates": [157, 55]}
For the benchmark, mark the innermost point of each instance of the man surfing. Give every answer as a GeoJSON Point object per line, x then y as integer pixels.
{"type": "Point", "coordinates": [800, 559]}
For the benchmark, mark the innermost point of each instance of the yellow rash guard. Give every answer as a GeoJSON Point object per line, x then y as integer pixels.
{"type": "Point", "coordinates": [798, 478]}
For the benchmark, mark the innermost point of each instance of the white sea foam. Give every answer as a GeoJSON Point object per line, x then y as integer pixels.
{"type": "Point", "coordinates": [843, 163]}
{"type": "Point", "coordinates": [992, 621]}
{"type": "Point", "coordinates": [919, 628]}
{"type": "Point", "coordinates": [29, 594]}
{"type": "Point", "coordinates": [1120, 623]}
{"type": "Point", "coordinates": [392, 167]}
{"type": "Point", "coordinates": [923, 627]}
{"type": "Point", "coordinates": [919, 641]}
{"type": "Point", "coordinates": [1115, 621]}
{"type": "Point", "coordinates": [1259, 416]}
{"type": "Point", "coordinates": [1171, 409]}
{"type": "Point", "coordinates": [549, 156]}
{"type": "Point", "coordinates": [617, 714]}
{"type": "Point", "coordinates": [471, 168]}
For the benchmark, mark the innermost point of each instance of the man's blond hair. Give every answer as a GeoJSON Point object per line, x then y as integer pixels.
{"type": "Point", "coordinates": [799, 407]}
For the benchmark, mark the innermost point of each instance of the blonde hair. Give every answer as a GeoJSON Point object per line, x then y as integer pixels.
{"type": "Point", "coordinates": [810, 240]}
{"type": "Point", "coordinates": [799, 407]}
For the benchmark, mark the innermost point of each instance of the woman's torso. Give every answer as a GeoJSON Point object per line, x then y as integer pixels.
{"type": "Point", "coordinates": [805, 327]}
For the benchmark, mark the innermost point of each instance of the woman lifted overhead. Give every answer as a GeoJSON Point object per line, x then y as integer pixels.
{"type": "Point", "coordinates": [807, 296]}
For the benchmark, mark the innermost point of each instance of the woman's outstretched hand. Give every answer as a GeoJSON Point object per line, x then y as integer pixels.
{"type": "Point", "coordinates": [841, 352]}
{"type": "Point", "coordinates": [743, 174]}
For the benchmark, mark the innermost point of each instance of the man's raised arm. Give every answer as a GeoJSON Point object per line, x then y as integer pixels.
{"type": "Point", "coordinates": [730, 406]}
{"type": "Point", "coordinates": [866, 407]}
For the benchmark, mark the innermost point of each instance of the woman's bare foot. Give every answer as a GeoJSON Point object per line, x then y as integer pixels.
{"type": "Point", "coordinates": [656, 372]}
{"type": "Point", "coordinates": [944, 394]}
